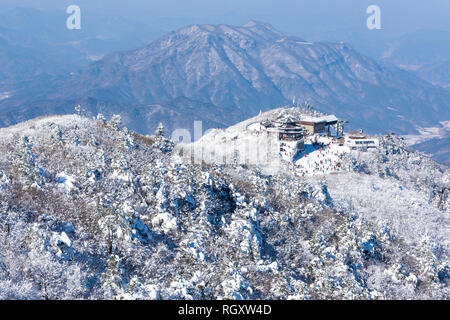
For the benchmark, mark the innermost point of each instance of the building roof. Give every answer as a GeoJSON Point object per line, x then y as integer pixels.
{"type": "Point", "coordinates": [329, 119]}
{"type": "Point", "coordinates": [358, 135]}
{"type": "Point", "coordinates": [286, 119]}
{"type": "Point", "coordinates": [267, 124]}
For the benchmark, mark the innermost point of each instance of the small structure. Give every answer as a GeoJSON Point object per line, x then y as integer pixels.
{"type": "Point", "coordinates": [78, 110]}
{"type": "Point", "coordinates": [360, 140]}
{"type": "Point", "coordinates": [319, 124]}
{"type": "Point", "coordinates": [286, 128]}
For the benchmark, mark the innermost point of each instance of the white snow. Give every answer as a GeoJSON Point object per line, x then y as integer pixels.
{"type": "Point", "coordinates": [428, 133]}
{"type": "Point", "coordinates": [4, 95]}
{"type": "Point", "coordinates": [386, 202]}
{"type": "Point", "coordinates": [39, 127]}
{"type": "Point", "coordinates": [165, 221]}
{"type": "Point", "coordinates": [320, 159]}
{"type": "Point", "coordinates": [324, 118]}
{"type": "Point", "coordinates": [65, 181]}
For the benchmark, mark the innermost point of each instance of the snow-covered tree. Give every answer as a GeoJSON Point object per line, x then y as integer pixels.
{"type": "Point", "coordinates": [160, 130]}
{"type": "Point", "coordinates": [27, 164]}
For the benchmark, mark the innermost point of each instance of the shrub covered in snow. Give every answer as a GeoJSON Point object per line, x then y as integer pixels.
{"type": "Point", "coordinates": [93, 211]}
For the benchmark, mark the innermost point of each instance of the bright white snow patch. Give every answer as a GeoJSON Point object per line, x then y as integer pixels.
{"type": "Point", "coordinates": [4, 95]}
{"type": "Point", "coordinates": [165, 221]}
{"type": "Point", "coordinates": [65, 181]}
{"type": "Point", "coordinates": [326, 157]}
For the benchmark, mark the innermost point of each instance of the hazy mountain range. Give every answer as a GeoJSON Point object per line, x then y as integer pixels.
{"type": "Point", "coordinates": [438, 148]}
{"type": "Point", "coordinates": [222, 74]}
{"type": "Point", "coordinates": [99, 34]}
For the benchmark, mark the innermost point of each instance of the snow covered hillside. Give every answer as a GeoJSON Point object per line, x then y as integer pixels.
{"type": "Point", "coordinates": [91, 210]}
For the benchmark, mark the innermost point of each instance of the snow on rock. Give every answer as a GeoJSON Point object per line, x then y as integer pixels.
{"type": "Point", "coordinates": [61, 244]}
{"type": "Point", "coordinates": [165, 221]}
{"type": "Point", "coordinates": [65, 181]}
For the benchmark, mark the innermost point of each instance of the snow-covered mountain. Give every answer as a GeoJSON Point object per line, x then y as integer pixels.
{"type": "Point", "coordinates": [436, 73]}
{"type": "Point", "coordinates": [92, 210]}
{"type": "Point", "coordinates": [239, 70]}
{"type": "Point", "coordinates": [438, 148]}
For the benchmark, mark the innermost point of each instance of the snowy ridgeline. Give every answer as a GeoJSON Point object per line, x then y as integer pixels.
{"type": "Point", "coordinates": [91, 210]}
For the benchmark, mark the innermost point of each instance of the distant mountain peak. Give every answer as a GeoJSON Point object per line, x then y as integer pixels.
{"type": "Point", "coordinates": [259, 24]}
{"type": "Point", "coordinates": [250, 29]}
{"type": "Point", "coordinates": [194, 28]}
{"type": "Point", "coordinates": [263, 28]}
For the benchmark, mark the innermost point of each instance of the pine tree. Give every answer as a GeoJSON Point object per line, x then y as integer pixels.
{"type": "Point", "coordinates": [27, 164]}
{"type": "Point", "coordinates": [101, 117]}
{"type": "Point", "coordinates": [160, 130]}
{"type": "Point", "coordinates": [112, 283]}
{"type": "Point", "coordinates": [116, 121]}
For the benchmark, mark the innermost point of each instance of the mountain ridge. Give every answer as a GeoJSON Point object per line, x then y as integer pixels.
{"type": "Point", "coordinates": [92, 210]}
{"type": "Point", "coordinates": [243, 70]}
